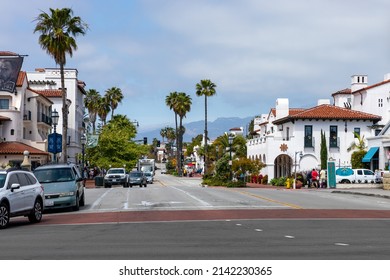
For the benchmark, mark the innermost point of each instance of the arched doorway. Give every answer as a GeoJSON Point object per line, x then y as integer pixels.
{"type": "Point", "coordinates": [282, 166]}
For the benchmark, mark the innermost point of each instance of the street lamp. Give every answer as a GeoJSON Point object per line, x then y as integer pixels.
{"type": "Point", "coordinates": [230, 140]}
{"type": "Point", "coordinates": [54, 119]}
{"type": "Point", "coordinates": [135, 122]}
{"type": "Point", "coordinates": [83, 141]}
{"type": "Point", "coordinates": [295, 166]}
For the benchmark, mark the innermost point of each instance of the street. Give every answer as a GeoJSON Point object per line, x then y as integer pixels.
{"type": "Point", "coordinates": [177, 218]}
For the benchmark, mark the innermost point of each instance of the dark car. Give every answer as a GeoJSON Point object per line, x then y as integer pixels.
{"type": "Point", "coordinates": [137, 178]}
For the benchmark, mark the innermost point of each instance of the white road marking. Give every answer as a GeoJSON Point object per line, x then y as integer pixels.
{"type": "Point", "coordinates": [289, 236]}
{"type": "Point", "coordinates": [204, 203]}
{"type": "Point", "coordinates": [341, 244]}
{"type": "Point", "coordinates": [99, 200]}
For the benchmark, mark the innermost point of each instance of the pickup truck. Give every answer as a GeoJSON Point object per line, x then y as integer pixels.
{"type": "Point", "coordinates": [348, 175]}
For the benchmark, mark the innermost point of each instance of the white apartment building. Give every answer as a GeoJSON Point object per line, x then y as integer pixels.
{"type": "Point", "coordinates": [47, 82]}
{"type": "Point", "coordinates": [25, 114]}
{"type": "Point", "coordinates": [285, 132]}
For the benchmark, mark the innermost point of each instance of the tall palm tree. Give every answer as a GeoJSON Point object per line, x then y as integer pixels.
{"type": "Point", "coordinates": [205, 88]}
{"type": "Point", "coordinates": [58, 31]}
{"type": "Point", "coordinates": [103, 109]}
{"type": "Point", "coordinates": [91, 102]}
{"type": "Point", "coordinates": [114, 97]}
{"type": "Point", "coordinates": [163, 133]}
{"type": "Point", "coordinates": [170, 101]}
{"type": "Point", "coordinates": [182, 107]}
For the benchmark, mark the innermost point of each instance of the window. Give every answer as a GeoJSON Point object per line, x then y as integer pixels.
{"type": "Point", "coordinates": [333, 136]}
{"type": "Point", "coordinates": [380, 102]}
{"type": "Point", "coordinates": [356, 132]}
{"type": "Point", "coordinates": [308, 136]}
{"type": "Point", "coordinates": [4, 103]}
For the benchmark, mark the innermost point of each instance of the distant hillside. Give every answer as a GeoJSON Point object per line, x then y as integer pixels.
{"type": "Point", "coordinates": [215, 128]}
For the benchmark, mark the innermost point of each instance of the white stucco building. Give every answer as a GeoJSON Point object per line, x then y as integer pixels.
{"type": "Point", "coordinates": [47, 82]}
{"type": "Point", "coordinates": [25, 114]}
{"type": "Point", "coordinates": [284, 132]}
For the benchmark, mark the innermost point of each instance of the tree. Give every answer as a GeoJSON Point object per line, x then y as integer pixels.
{"type": "Point", "coordinates": [58, 31]}
{"type": "Point", "coordinates": [114, 96]}
{"type": "Point", "coordinates": [205, 88]}
{"type": "Point", "coordinates": [91, 102]}
{"type": "Point", "coordinates": [323, 151]}
{"type": "Point", "coordinates": [182, 106]}
{"type": "Point", "coordinates": [170, 101]}
{"type": "Point", "coordinates": [361, 147]}
{"type": "Point", "coordinates": [163, 133]}
{"type": "Point", "coordinates": [103, 109]}
{"type": "Point", "coordinates": [119, 150]}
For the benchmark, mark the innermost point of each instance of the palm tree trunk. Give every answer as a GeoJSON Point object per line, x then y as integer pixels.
{"type": "Point", "coordinates": [180, 146]}
{"type": "Point", "coordinates": [64, 116]}
{"type": "Point", "coordinates": [177, 144]}
{"type": "Point", "coordinates": [205, 134]}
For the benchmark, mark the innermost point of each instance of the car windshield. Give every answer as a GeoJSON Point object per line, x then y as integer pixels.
{"type": "Point", "coordinates": [54, 175]}
{"type": "Point", "coordinates": [149, 174]}
{"type": "Point", "coordinates": [115, 171]}
{"type": "Point", "coordinates": [135, 174]}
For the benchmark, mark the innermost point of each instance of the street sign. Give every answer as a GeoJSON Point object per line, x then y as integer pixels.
{"type": "Point", "coordinates": [54, 143]}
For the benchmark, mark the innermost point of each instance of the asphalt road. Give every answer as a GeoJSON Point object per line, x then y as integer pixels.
{"type": "Point", "coordinates": [178, 219]}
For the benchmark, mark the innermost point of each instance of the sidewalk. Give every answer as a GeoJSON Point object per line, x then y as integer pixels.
{"type": "Point", "coordinates": [358, 189]}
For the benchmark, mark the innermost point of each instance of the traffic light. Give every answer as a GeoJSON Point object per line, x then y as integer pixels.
{"type": "Point", "coordinates": [145, 140]}
{"type": "Point", "coordinates": [158, 143]}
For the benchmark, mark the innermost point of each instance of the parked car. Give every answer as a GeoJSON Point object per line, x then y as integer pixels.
{"type": "Point", "coordinates": [149, 177]}
{"type": "Point", "coordinates": [348, 175]}
{"type": "Point", "coordinates": [21, 194]}
{"type": "Point", "coordinates": [63, 186]}
{"type": "Point", "coordinates": [137, 178]}
{"type": "Point", "coordinates": [116, 176]}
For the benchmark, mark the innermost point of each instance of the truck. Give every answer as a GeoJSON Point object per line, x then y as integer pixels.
{"type": "Point", "coordinates": [348, 175]}
{"type": "Point", "coordinates": [146, 165]}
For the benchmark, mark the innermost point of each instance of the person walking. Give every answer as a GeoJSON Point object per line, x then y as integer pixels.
{"type": "Point", "coordinates": [323, 178]}
{"type": "Point", "coordinates": [308, 179]}
{"type": "Point", "coordinates": [314, 178]}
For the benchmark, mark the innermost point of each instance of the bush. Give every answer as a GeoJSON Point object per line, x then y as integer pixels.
{"type": "Point", "coordinates": [278, 181]}
{"type": "Point", "coordinates": [238, 184]}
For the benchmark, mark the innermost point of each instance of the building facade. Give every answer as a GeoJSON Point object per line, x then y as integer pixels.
{"type": "Point", "coordinates": [360, 111]}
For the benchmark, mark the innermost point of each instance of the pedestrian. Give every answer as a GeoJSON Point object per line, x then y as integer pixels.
{"type": "Point", "coordinates": [314, 178]}
{"type": "Point", "coordinates": [323, 178]}
{"type": "Point", "coordinates": [308, 179]}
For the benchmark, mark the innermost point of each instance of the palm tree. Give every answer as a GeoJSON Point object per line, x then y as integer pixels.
{"type": "Point", "coordinates": [103, 109]}
{"type": "Point", "coordinates": [182, 107]}
{"type": "Point", "coordinates": [163, 133]}
{"type": "Point", "coordinates": [170, 101]}
{"type": "Point", "coordinates": [205, 88]}
{"type": "Point", "coordinates": [91, 102]}
{"type": "Point", "coordinates": [114, 97]}
{"type": "Point", "coordinates": [360, 145]}
{"type": "Point", "coordinates": [58, 31]}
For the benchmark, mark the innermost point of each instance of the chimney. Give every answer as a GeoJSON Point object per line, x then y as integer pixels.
{"type": "Point", "coordinates": [282, 108]}
{"type": "Point", "coordinates": [358, 82]}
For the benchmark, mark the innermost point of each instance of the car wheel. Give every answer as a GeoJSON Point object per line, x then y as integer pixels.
{"type": "Point", "coordinates": [77, 206]}
{"type": "Point", "coordinates": [36, 213]}
{"type": "Point", "coordinates": [4, 215]}
{"type": "Point", "coordinates": [82, 200]}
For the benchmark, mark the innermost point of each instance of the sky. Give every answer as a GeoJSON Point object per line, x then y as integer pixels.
{"type": "Point", "coordinates": [255, 51]}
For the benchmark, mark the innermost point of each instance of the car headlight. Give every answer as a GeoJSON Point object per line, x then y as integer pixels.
{"type": "Point", "coordinates": [67, 194]}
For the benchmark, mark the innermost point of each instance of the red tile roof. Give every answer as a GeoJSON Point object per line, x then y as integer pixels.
{"type": "Point", "coordinates": [7, 53]}
{"type": "Point", "coordinates": [50, 92]}
{"type": "Point", "coordinates": [329, 112]}
{"type": "Point", "coordinates": [21, 77]}
{"type": "Point", "coordinates": [7, 148]}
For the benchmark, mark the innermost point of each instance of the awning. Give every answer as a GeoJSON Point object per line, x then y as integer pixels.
{"type": "Point", "coordinates": [371, 152]}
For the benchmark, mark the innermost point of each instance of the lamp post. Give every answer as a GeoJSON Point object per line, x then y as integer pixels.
{"type": "Point", "coordinates": [83, 141]}
{"type": "Point", "coordinates": [295, 166]}
{"type": "Point", "coordinates": [54, 118]}
{"type": "Point", "coordinates": [230, 140]}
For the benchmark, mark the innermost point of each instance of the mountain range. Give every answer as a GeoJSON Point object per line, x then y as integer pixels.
{"type": "Point", "coordinates": [215, 128]}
